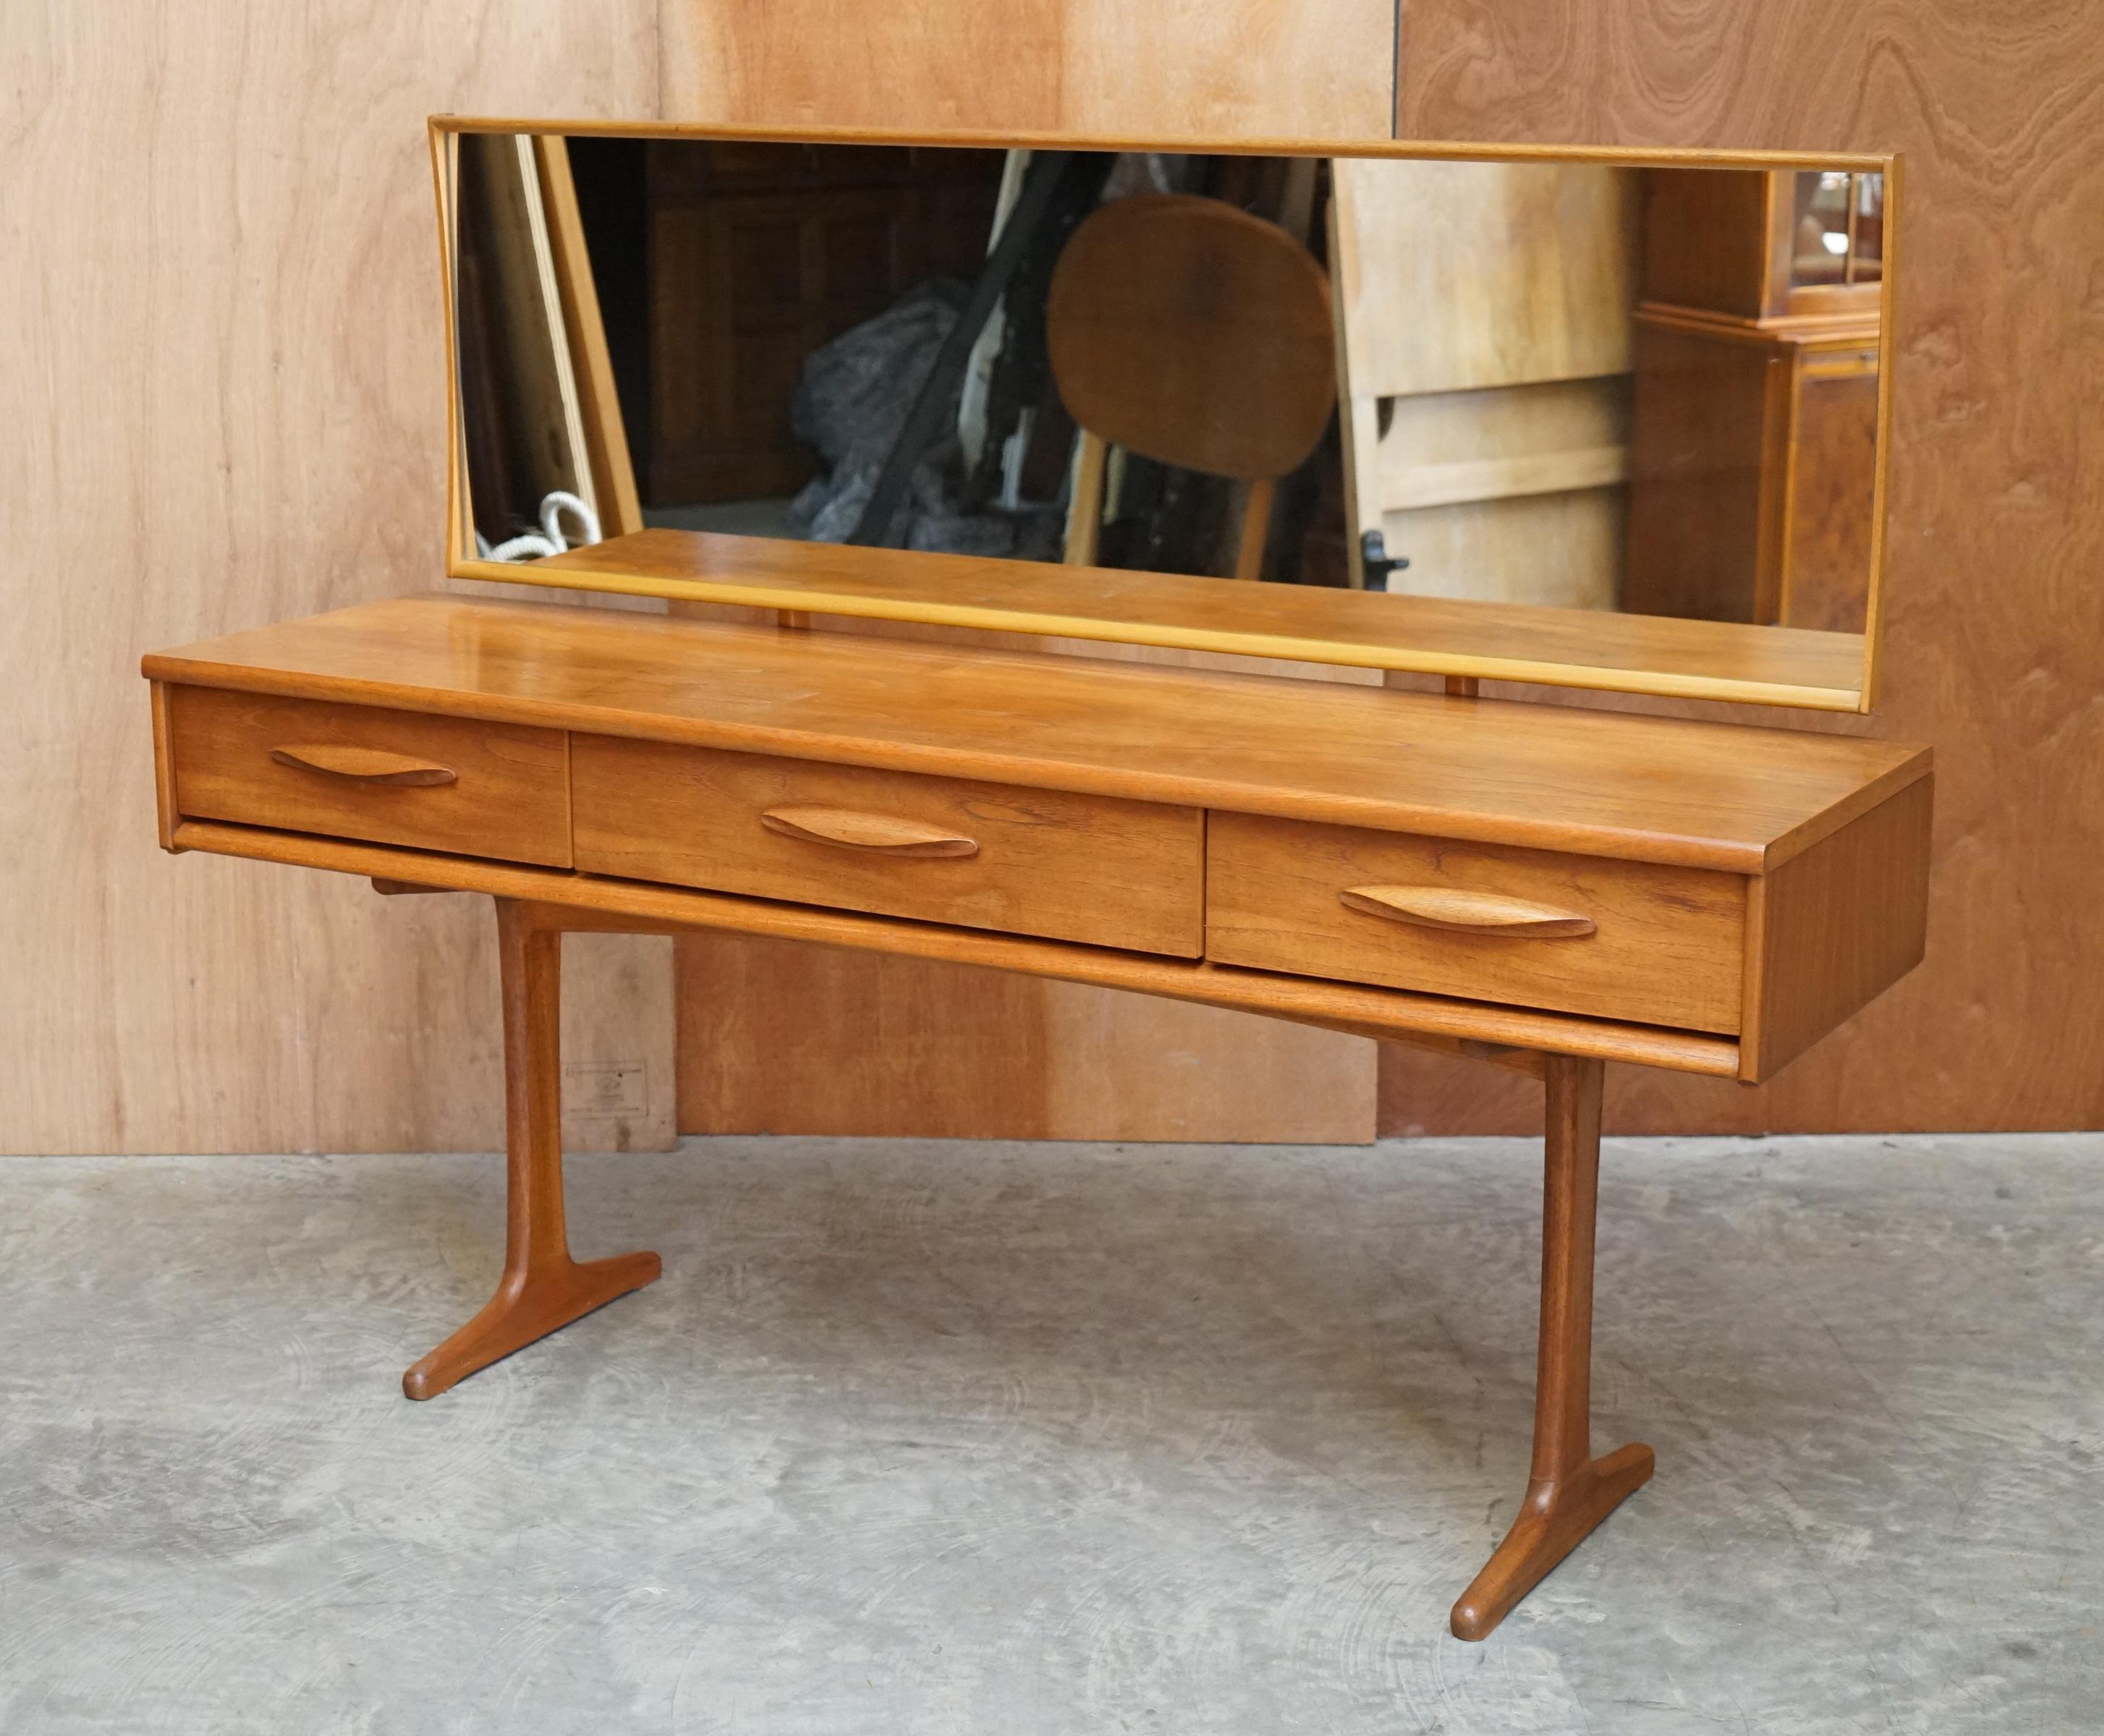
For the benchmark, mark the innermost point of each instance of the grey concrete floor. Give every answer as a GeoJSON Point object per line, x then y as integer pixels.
{"type": "Point", "coordinates": [1014, 1439]}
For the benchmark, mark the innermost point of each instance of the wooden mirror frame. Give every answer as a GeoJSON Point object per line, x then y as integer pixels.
{"type": "Point", "coordinates": [1667, 657]}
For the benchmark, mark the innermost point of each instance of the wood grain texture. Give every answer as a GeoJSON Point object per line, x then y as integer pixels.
{"type": "Point", "coordinates": [1703, 458]}
{"type": "Point", "coordinates": [1316, 67]}
{"type": "Point", "coordinates": [1685, 794]}
{"type": "Point", "coordinates": [1827, 537]}
{"type": "Point", "coordinates": [1568, 1492]}
{"type": "Point", "coordinates": [1483, 334]}
{"type": "Point", "coordinates": [1579, 646]}
{"type": "Point", "coordinates": [1246, 67]}
{"type": "Point", "coordinates": [1838, 925]}
{"type": "Point", "coordinates": [1249, 66]}
{"type": "Point", "coordinates": [166, 812]}
{"type": "Point", "coordinates": [1193, 333]}
{"type": "Point", "coordinates": [1707, 236]}
{"type": "Point", "coordinates": [366, 765]}
{"type": "Point", "coordinates": [1466, 912]}
{"type": "Point", "coordinates": [628, 906]}
{"type": "Point", "coordinates": [224, 364]}
{"type": "Point", "coordinates": [542, 1288]}
{"type": "Point", "coordinates": [1994, 627]}
{"type": "Point", "coordinates": [1558, 551]}
{"type": "Point", "coordinates": [1543, 464]}
{"type": "Point", "coordinates": [847, 828]}
{"type": "Point", "coordinates": [1456, 276]}
{"type": "Point", "coordinates": [1109, 872]}
{"type": "Point", "coordinates": [502, 790]}
{"type": "Point", "coordinates": [1755, 463]}
{"type": "Point", "coordinates": [667, 718]}
{"type": "Point", "coordinates": [526, 662]}
{"type": "Point", "coordinates": [778, 1037]}
{"type": "Point", "coordinates": [1667, 947]}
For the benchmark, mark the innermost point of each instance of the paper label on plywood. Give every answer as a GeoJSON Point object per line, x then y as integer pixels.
{"type": "Point", "coordinates": [598, 1088]}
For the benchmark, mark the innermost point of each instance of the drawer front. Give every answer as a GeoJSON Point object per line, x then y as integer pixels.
{"type": "Point", "coordinates": [400, 777]}
{"type": "Point", "coordinates": [980, 856]}
{"type": "Point", "coordinates": [1628, 940]}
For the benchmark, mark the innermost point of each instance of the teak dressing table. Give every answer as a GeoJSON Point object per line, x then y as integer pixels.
{"type": "Point", "coordinates": [1538, 887]}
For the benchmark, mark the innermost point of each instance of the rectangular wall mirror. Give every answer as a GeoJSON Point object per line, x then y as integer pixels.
{"type": "Point", "coordinates": [1611, 422]}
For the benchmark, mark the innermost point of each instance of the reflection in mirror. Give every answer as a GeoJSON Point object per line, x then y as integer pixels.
{"type": "Point", "coordinates": [1645, 390]}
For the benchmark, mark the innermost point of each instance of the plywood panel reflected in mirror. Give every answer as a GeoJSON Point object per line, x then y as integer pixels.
{"type": "Point", "coordinates": [1616, 423]}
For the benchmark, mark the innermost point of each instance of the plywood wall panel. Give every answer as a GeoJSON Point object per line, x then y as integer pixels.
{"type": "Point", "coordinates": [1994, 619]}
{"type": "Point", "coordinates": [224, 374]}
{"type": "Point", "coordinates": [783, 1039]}
{"type": "Point", "coordinates": [1252, 68]}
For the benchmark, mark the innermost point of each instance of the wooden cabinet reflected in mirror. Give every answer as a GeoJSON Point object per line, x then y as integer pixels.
{"type": "Point", "coordinates": [1756, 360]}
{"type": "Point", "coordinates": [1612, 422]}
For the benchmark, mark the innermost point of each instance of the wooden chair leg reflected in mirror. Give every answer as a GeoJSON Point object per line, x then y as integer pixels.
{"type": "Point", "coordinates": [543, 1289]}
{"type": "Point", "coordinates": [1568, 1492]}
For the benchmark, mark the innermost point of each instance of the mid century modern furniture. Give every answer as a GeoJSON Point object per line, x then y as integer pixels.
{"type": "Point", "coordinates": [1535, 887]}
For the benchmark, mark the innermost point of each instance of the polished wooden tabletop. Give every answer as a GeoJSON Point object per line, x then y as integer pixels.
{"type": "Point", "coordinates": [1439, 635]}
{"type": "Point", "coordinates": [1740, 798]}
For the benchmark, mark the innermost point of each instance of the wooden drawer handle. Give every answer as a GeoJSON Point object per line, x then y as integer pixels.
{"type": "Point", "coordinates": [853, 831]}
{"type": "Point", "coordinates": [366, 765]}
{"type": "Point", "coordinates": [1466, 913]}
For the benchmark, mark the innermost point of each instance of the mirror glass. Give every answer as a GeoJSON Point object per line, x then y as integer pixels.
{"type": "Point", "coordinates": [1641, 390]}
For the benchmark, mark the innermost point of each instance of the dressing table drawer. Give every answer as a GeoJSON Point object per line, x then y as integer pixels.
{"type": "Point", "coordinates": [1094, 869]}
{"type": "Point", "coordinates": [1619, 940]}
{"type": "Point", "coordinates": [498, 790]}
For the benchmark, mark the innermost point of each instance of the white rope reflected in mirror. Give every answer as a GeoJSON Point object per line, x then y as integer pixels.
{"type": "Point", "coordinates": [551, 541]}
